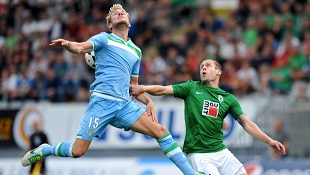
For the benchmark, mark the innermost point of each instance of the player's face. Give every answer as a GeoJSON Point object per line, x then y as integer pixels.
{"type": "Point", "coordinates": [120, 16]}
{"type": "Point", "coordinates": [208, 72]}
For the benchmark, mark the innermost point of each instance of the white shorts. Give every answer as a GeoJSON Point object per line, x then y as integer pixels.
{"type": "Point", "coordinates": [217, 163]}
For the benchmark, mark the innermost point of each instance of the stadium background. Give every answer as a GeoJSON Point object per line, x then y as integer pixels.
{"type": "Point", "coordinates": [264, 47]}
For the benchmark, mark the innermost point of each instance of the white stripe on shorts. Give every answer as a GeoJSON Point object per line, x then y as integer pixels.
{"type": "Point", "coordinates": [107, 96]}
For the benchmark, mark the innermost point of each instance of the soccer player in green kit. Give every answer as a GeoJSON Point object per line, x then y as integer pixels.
{"type": "Point", "coordinates": [206, 106]}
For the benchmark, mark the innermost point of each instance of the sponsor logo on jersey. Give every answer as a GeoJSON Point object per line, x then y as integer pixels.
{"type": "Point", "coordinates": [210, 108]}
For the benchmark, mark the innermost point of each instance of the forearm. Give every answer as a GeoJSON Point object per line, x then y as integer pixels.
{"type": "Point", "coordinates": [74, 47]}
{"type": "Point", "coordinates": [257, 133]}
{"type": "Point", "coordinates": [157, 90]}
{"type": "Point", "coordinates": [143, 98]}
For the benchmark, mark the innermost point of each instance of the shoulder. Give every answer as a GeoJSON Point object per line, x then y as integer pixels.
{"type": "Point", "coordinates": [226, 94]}
{"type": "Point", "coordinates": [102, 34]}
{"type": "Point", "coordinates": [134, 45]}
{"type": "Point", "coordinates": [193, 82]}
{"type": "Point", "coordinates": [232, 98]}
{"type": "Point", "coordinates": [99, 37]}
{"type": "Point", "coordinates": [223, 92]}
{"type": "Point", "coordinates": [189, 83]}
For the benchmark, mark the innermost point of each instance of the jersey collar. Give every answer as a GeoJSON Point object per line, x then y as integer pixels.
{"type": "Point", "coordinates": [125, 42]}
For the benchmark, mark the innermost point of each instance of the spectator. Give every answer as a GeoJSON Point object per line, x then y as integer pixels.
{"type": "Point", "coordinates": [82, 95]}
{"type": "Point", "coordinates": [37, 86]}
{"type": "Point", "coordinates": [74, 77]}
{"type": "Point", "coordinates": [306, 66]}
{"type": "Point", "coordinates": [60, 65]}
{"type": "Point", "coordinates": [23, 86]}
{"type": "Point", "coordinates": [12, 82]}
{"type": "Point", "coordinates": [11, 40]}
{"type": "Point", "coordinates": [53, 89]}
{"type": "Point", "coordinates": [5, 92]}
{"type": "Point", "coordinates": [251, 32]}
{"type": "Point", "coordinates": [264, 78]}
{"type": "Point", "coordinates": [247, 79]}
{"type": "Point", "coordinates": [281, 79]}
{"type": "Point", "coordinates": [37, 138]}
{"type": "Point", "coordinates": [156, 69]}
{"type": "Point", "coordinates": [174, 58]}
{"type": "Point", "coordinates": [37, 64]}
{"type": "Point", "coordinates": [281, 136]}
{"type": "Point", "coordinates": [302, 95]}
{"type": "Point", "coordinates": [300, 92]}
{"type": "Point", "coordinates": [261, 31]}
{"type": "Point", "coordinates": [228, 77]}
{"type": "Point", "coordinates": [194, 56]}
{"type": "Point", "coordinates": [165, 44]}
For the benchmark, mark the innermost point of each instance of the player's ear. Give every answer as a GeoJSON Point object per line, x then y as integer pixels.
{"type": "Point", "coordinates": [218, 72]}
{"type": "Point", "coordinates": [110, 26]}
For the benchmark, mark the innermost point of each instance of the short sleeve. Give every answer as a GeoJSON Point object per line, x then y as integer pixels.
{"type": "Point", "coordinates": [235, 108]}
{"type": "Point", "coordinates": [181, 90]}
{"type": "Point", "coordinates": [100, 40]}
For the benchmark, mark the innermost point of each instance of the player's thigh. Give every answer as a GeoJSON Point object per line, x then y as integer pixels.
{"type": "Point", "coordinates": [146, 125]}
{"type": "Point", "coordinates": [232, 165]}
{"type": "Point", "coordinates": [128, 113]}
{"type": "Point", "coordinates": [198, 162]}
{"type": "Point", "coordinates": [100, 112]}
{"type": "Point", "coordinates": [132, 116]}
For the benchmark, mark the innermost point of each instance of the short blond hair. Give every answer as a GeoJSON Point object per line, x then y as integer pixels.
{"type": "Point", "coordinates": [112, 9]}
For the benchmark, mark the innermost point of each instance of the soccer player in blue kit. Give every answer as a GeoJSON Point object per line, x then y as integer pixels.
{"type": "Point", "coordinates": [117, 67]}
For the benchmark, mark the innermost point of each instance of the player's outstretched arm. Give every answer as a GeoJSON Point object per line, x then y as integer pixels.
{"type": "Point", "coordinates": [155, 90]}
{"type": "Point", "coordinates": [73, 47]}
{"type": "Point", "coordinates": [251, 128]}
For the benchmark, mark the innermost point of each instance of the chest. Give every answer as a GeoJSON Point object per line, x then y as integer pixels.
{"type": "Point", "coordinates": [210, 104]}
{"type": "Point", "coordinates": [122, 53]}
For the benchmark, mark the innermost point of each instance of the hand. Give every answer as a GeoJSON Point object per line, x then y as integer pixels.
{"type": "Point", "coordinates": [151, 111]}
{"type": "Point", "coordinates": [135, 90]}
{"type": "Point", "coordinates": [59, 43]}
{"type": "Point", "coordinates": [277, 146]}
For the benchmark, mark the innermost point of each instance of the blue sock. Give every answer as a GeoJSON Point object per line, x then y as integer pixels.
{"type": "Point", "coordinates": [175, 154]}
{"type": "Point", "coordinates": [63, 149]}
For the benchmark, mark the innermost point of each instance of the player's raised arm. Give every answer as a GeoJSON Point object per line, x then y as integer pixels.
{"type": "Point", "coordinates": [155, 90]}
{"type": "Point", "coordinates": [73, 47]}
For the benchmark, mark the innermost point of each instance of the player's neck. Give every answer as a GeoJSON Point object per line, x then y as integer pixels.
{"type": "Point", "coordinates": [212, 84]}
{"type": "Point", "coordinates": [121, 31]}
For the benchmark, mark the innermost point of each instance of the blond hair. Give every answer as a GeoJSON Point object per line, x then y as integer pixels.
{"type": "Point", "coordinates": [112, 9]}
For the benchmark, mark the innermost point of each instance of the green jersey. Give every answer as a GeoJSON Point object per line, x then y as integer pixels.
{"type": "Point", "coordinates": [205, 110]}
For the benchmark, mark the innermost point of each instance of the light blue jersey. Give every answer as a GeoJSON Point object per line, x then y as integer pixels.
{"type": "Point", "coordinates": [116, 61]}
{"type": "Point", "coordinates": [110, 104]}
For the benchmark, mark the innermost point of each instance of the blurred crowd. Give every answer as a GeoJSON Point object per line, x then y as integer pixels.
{"type": "Point", "coordinates": [263, 45]}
